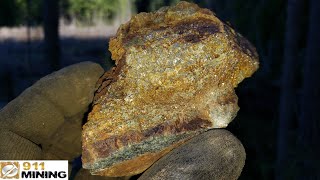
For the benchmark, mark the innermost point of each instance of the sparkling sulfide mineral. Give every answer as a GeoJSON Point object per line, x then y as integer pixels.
{"type": "Point", "coordinates": [175, 74]}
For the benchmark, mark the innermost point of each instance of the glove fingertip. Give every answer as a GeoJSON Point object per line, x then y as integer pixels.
{"type": "Point", "coordinates": [215, 154]}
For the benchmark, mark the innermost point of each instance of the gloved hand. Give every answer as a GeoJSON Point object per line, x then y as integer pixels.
{"type": "Point", "coordinates": [45, 121]}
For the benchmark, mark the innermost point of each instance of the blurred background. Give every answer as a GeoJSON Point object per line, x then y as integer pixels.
{"type": "Point", "coordinates": [278, 122]}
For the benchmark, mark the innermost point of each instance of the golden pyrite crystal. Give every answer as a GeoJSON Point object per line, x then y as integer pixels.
{"type": "Point", "coordinates": [175, 74]}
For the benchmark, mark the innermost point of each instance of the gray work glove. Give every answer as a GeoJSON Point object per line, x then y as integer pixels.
{"type": "Point", "coordinates": [45, 121]}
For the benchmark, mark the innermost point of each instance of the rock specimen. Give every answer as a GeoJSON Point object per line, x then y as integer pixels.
{"type": "Point", "coordinates": [175, 74]}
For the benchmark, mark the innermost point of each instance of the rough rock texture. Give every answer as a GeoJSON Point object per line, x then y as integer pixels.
{"type": "Point", "coordinates": [175, 74]}
{"type": "Point", "coordinates": [216, 154]}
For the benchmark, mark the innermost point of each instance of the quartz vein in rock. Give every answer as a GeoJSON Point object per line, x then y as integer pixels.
{"type": "Point", "coordinates": [175, 74]}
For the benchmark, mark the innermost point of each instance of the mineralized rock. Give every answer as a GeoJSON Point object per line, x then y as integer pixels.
{"type": "Point", "coordinates": [175, 74]}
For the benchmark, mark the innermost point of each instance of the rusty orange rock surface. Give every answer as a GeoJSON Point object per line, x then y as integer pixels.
{"type": "Point", "coordinates": [176, 70]}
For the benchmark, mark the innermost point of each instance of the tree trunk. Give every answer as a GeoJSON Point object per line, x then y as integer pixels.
{"type": "Point", "coordinates": [287, 96]}
{"type": "Point", "coordinates": [216, 6]}
{"type": "Point", "coordinates": [51, 32]}
{"type": "Point", "coordinates": [142, 5]}
{"type": "Point", "coordinates": [27, 61]}
{"type": "Point", "coordinates": [309, 121]}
